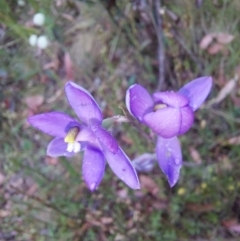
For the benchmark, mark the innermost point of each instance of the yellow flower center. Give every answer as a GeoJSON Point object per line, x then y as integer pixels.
{"type": "Point", "coordinates": [70, 139]}
{"type": "Point", "coordinates": [159, 106]}
{"type": "Point", "coordinates": [71, 135]}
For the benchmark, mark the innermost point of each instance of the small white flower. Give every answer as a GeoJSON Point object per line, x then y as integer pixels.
{"type": "Point", "coordinates": [42, 42]}
{"type": "Point", "coordinates": [38, 19]}
{"type": "Point", "coordinates": [33, 40]}
{"type": "Point", "coordinates": [21, 3]}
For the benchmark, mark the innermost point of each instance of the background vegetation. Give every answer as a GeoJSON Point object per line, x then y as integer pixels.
{"type": "Point", "coordinates": [106, 46]}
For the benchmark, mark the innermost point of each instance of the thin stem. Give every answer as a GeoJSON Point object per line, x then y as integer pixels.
{"type": "Point", "coordinates": [188, 51]}
{"type": "Point", "coordinates": [161, 50]}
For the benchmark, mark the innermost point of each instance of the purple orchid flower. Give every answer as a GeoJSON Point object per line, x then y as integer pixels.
{"type": "Point", "coordinates": [72, 136]}
{"type": "Point", "coordinates": [168, 114]}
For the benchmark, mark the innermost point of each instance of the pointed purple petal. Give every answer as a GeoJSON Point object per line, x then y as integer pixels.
{"type": "Point", "coordinates": [165, 122]}
{"type": "Point", "coordinates": [197, 91]}
{"type": "Point", "coordinates": [187, 118]}
{"type": "Point", "coordinates": [170, 98]}
{"type": "Point", "coordinates": [169, 158]}
{"type": "Point", "coordinates": [105, 138]}
{"type": "Point", "coordinates": [57, 147]}
{"type": "Point", "coordinates": [138, 101]}
{"type": "Point", "coordinates": [53, 123]}
{"type": "Point", "coordinates": [83, 103]}
{"type": "Point", "coordinates": [93, 167]}
{"type": "Point", "coordinates": [122, 167]}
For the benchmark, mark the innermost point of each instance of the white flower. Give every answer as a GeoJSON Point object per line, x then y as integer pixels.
{"type": "Point", "coordinates": [38, 19]}
{"type": "Point", "coordinates": [21, 3]}
{"type": "Point", "coordinates": [42, 42]}
{"type": "Point", "coordinates": [33, 40]}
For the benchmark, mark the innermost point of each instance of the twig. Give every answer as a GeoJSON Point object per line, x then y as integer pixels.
{"type": "Point", "coordinates": [188, 51]}
{"type": "Point", "coordinates": [161, 51]}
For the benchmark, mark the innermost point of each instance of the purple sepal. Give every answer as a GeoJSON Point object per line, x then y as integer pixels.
{"type": "Point", "coordinates": [197, 91]}
{"type": "Point", "coordinates": [83, 103]}
{"type": "Point", "coordinates": [170, 98]}
{"type": "Point", "coordinates": [187, 118]}
{"type": "Point", "coordinates": [122, 167]}
{"type": "Point", "coordinates": [93, 167]}
{"type": "Point", "coordinates": [105, 138]}
{"type": "Point", "coordinates": [169, 158]}
{"type": "Point", "coordinates": [53, 123]}
{"type": "Point", "coordinates": [57, 147]}
{"type": "Point", "coordinates": [138, 101]}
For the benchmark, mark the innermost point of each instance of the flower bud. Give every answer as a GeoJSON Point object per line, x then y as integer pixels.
{"type": "Point", "coordinates": [42, 42]}
{"type": "Point", "coordinates": [38, 19]}
{"type": "Point", "coordinates": [33, 40]}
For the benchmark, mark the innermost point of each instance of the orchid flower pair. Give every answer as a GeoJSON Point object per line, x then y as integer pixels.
{"type": "Point", "coordinates": [168, 114]}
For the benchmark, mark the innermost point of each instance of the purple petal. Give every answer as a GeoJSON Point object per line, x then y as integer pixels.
{"type": "Point", "coordinates": [86, 135]}
{"type": "Point", "coordinates": [165, 122]}
{"type": "Point", "coordinates": [171, 99]}
{"type": "Point", "coordinates": [105, 138]}
{"type": "Point", "coordinates": [57, 147]}
{"type": "Point", "coordinates": [53, 123]}
{"type": "Point", "coordinates": [187, 118]}
{"type": "Point", "coordinates": [122, 167]}
{"type": "Point", "coordinates": [169, 158]}
{"type": "Point", "coordinates": [138, 101]}
{"type": "Point", "coordinates": [93, 167]}
{"type": "Point", "coordinates": [197, 91]}
{"type": "Point", "coordinates": [83, 103]}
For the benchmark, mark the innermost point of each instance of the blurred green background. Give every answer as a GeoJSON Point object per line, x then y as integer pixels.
{"type": "Point", "coordinates": [105, 46]}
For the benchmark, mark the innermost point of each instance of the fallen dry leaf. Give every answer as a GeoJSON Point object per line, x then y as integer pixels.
{"type": "Point", "coordinates": [52, 161]}
{"type": "Point", "coordinates": [32, 189]}
{"type": "Point", "coordinates": [68, 17]}
{"type": "Point", "coordinates": [199, 208]}
{"type": "Point", "coordinates": [160, 204]}
{"type": "Point", "coordinates": [68, 66]}
{"type": "Point", "coordinates": [225, 91]}
{"type": "Point", "coordinates": [106, 220]}
{"type": "Point", "coordinates": [224, 38]}
{"type": "Point", "coordinates": [221, 39]}
{"type": "Point", "coordinates": [55, 96]}
{"type": "Point", "coordinates": [215, 48]}
{"type": "Point", "coordinates": [119, 237]}
{"type": "Point", "coordinates": [4, 213]}
{"type": "Point", "coordinates": [34, 101]}
{"type": "Point", "coordinates": [52, 65]}
{"type": "Point", "coordinates": [148, 184]}
{"type": "Point", "coordinates": [195, 155]}
{"type": "Point", "coordinates": [126, 139]}
{"type": "Point", "coordinates": [206, 40]}
{"type": "Point", "coordinates": [234, 140]}
{"type": "Point", "coordinates": [122, 193]}
{"type": "Point", "coordinates": [231, 225]}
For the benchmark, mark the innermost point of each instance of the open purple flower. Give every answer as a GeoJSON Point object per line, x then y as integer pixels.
{"type": "Point", "coordinates": [72, 136]}
{"type": "Point", "coordinates": [168, 114]}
